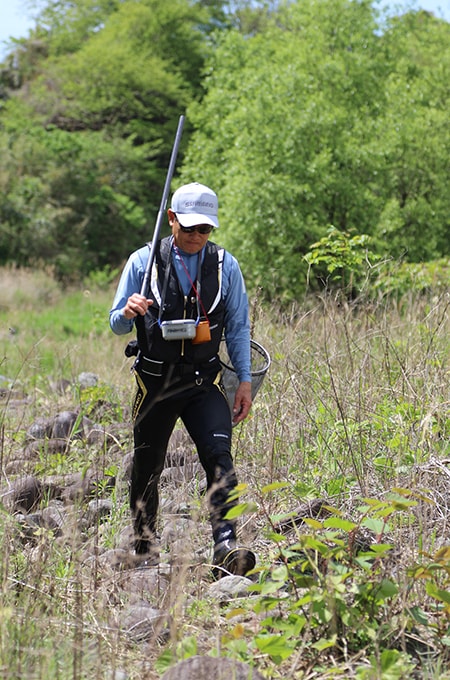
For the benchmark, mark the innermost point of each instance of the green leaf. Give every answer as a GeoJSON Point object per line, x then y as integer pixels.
{"type": "Point", "coordinates": [388, 659]}
{"type": "Point", "coordinates": [324, 643]}
{"type": "Point", "coordinates": [267, 587]}
{"type": "Point", "coordinates": [410, 492]}
{"type": "Point", "coordinates": [386, 589]}
{"type": "Point", "coordinates": [164, 661]}
{"type": "Point", "coordinates": [241, 509]}
{"type": "Point", "coordinates": [283, 516]}
{"type": "Point", "coordinates": [375, 525]}
{"type": "Point", "coordinates": [437, 593]}
{"type": "Point", "coordinates": [274, 486]}
{"type": "Point", "coordinates": [275, 646]}
{"type": "Point", "coordinates": [419, 615]}
{"type": "Point", "coordinates": [339, 523]}
{"type": "Point", "coordinates": [313, 523]}
{"type": "Point", "coordinates": [188, 647]}
{"type": "Point", "coordinates": [380, 548]}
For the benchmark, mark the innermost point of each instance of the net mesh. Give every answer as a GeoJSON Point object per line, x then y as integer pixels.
{"type": "Point", "coordinates": [260, 362]}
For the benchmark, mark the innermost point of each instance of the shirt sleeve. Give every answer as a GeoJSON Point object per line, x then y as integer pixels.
{"type": "Point", "coordinates": [237, 321]}
{"type": "Point", "coordinates": [130, 282]}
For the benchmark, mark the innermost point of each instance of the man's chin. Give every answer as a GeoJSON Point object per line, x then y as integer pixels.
{"type": "Point", "coordinates": [192, 248]}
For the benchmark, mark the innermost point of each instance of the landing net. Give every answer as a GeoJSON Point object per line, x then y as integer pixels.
{"type": "Point", "coordinates": [260, 362]}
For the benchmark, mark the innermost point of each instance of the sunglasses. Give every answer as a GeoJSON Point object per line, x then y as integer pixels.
{"type": "Point", "coordinates": [201, 229]}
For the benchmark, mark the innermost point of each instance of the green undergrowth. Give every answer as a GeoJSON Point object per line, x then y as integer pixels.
{"type": "Point", "coordinates": [49, 332]}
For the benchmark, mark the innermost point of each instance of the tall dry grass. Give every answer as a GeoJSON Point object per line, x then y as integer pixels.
{"type": "Point", "coordinates": [356, 404]}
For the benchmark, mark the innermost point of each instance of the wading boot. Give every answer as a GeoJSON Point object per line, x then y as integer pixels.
{"type": "Point", "coordinates": [228, 558]}
{"type": "Point", "coordinates": [146, 553]}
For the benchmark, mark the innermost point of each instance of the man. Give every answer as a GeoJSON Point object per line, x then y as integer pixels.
{"type": "Point", "coordinates": [196, 293]}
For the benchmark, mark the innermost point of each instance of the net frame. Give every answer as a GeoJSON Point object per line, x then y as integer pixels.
{"type": "Point", "coordinates": [260, 362]}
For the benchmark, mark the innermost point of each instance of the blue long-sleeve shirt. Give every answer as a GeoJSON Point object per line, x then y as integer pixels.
{"type": "Point", "coordinates": [234, 295]}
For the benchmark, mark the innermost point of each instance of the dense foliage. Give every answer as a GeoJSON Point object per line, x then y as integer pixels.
{"type": "Point", "coordinates": [326, 121]}
{"type": "Point", "coordinates": [89, 126]}
{"type": "Point", "coordinates": [304, 117]}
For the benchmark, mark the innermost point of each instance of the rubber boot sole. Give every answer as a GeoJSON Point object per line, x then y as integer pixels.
{"type": "Point", "coordinates": [238, 562]}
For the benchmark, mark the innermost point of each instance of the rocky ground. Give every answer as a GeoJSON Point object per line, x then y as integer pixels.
{"type": "Point", "coordinates": [84, 514]}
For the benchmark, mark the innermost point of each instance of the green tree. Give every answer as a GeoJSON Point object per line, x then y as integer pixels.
{"type": "Point", "coordinates": [131, 75]}
{"type": "Point", "coordinates": [415, 220]}
{"type": "Point", "coordinates": [66, 199]}
{"type": "Point", "coordinates": [86, 143]}
{"type": "Point", "coordinates": [299, 130]}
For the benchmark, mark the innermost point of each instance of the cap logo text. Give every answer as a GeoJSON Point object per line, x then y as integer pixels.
{"type": "Point", "coordinates": [201, 204]}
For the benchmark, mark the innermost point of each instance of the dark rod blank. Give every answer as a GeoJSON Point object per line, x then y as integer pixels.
{"type": "Point", "coordinates": [162, 208]}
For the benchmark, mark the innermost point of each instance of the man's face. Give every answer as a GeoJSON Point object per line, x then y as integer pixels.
{"type": "Point", "coordinates": [189, 240]}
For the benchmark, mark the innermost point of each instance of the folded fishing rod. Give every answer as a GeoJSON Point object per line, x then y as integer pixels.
{"type": "Point", "coordinates": [162, 208]}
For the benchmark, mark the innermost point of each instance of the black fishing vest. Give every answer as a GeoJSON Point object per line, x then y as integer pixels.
{"type": "Point", "coordinates": [176, 305]}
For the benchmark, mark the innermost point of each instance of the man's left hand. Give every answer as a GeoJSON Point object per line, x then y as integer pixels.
{"type": "Point", "coordinates": [242, 402]}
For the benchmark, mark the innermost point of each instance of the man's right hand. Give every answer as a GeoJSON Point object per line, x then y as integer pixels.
{"type": "Point", "coordinates": [136, 304]}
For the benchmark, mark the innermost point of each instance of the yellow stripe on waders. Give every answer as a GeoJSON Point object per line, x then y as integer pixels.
{"type": "Point", "coordinates": [139, 397]}
{"type": "Point", "coordinates": [218, 383]}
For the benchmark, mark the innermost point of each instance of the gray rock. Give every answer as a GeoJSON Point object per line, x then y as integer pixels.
{"type": "Point", "coordinates": [55, 513]}
{"type": "Point", "coordinates": [115, 558]}
{"type": "Point", "coordinates": [64, 425]}
{"type": "Point", "coordinates": [141, 622]}
{"type": "Point", "coordinates": [40, 429]}
{"type": "Point", "coordinates": [118, 675]}
{"type": "Point", "coordinates": [206, 667]}
{"type": "Point", "coordinates": [180, 442]}
{"type": "Point", "coordinates": [85, 485]}
{"type": "Point", "coordinates": [46, 445]}
{"type": "Point", "coordinates": [67, 424]}
{"type": "Point", "coordinates": [98, 510]}
{"type": "Point", "coordinates": [127, 465]}
{"type": "Point", "coordinates": [142, 585]}
{"type": "Point", "coordinates": [32, 525]}
{"type": "Point", "coordinates": [96, 435]}
{"type": "Point", "coordinates": [87, 379]}
{"type": "Point", "coordinates": [60, 386]}
{"type": "Point", "coordinates": [26, 494]}
{"type": "Point", "coordinates": [180, 528]}
{"type": "Point", "coordinates": [229, 587]}
{"type": "Point", "coordinates": [125, 538]}
{"type": "Point", "coordinates": [184, 473]}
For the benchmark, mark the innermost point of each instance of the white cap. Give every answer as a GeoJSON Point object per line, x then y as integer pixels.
{"type": "Point", "coordinates": [195, 204]}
